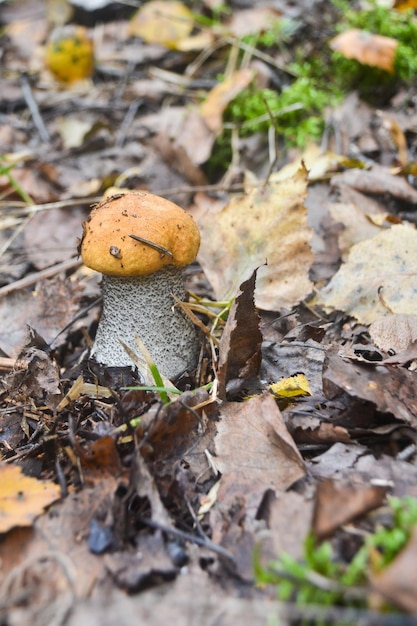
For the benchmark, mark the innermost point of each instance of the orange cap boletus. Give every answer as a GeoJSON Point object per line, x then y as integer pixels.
{"type": "Point", "coordinates": [140, 242]}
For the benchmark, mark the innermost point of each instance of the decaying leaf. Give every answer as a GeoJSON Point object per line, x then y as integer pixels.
{"type": "Point", "coordinates": [54, 305]}
{"type": "Point", "coordinates": [268, 224]}
{"type": "Point", "coordinates": [394, 332]}
{"type": "Point", "coordinates": [254, 444]}
{"type": "Point", "coordinates": [240, 346]}
{"type": "Point", "coordinates": [338, 503]}
{"type": "Point", "coordinates": [23, 498]}
{"type": "Point", "coordinates": [377, 277]}
{"type": "Point", "coordinates": [390, 390]}
{"type": "Point", "coordinates": [38, 380]}
{"type": "Point", "coordinates": [367, 48]}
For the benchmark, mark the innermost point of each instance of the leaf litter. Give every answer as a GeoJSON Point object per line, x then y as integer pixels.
{"type": "Point", "coordinates": [170, 502]}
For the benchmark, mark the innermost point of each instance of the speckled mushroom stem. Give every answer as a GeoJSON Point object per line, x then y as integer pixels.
{"type": "Point", "coordinates": [143, 306]}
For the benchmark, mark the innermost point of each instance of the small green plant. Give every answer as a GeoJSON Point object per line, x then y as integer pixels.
{"type": "Point", "coordinates": [380, 20]}
{"type": "Point", "coordinates": [297, 111]}
{"type": "Point", "coordinates": [320, 579]}
{"type": "Point", "coordinates": [320, 78]}
{"type": "Point", "coordinates": [6, 170]}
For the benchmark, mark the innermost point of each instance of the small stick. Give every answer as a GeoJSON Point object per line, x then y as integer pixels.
{"type": "Point", "coordinates": [204, 542]}
{"type": "Point", "coordinates": [160, 249]}
{"type": "Point", "coordinates": [34, 110]}
{"type": "Point", "coordinates": [27, 281]}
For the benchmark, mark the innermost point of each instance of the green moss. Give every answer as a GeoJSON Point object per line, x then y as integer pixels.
{"type": "Point", "coordinates": [319, 78]}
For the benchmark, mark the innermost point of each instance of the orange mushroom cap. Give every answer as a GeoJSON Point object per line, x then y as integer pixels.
{"type": "Point", "coordinates": [108, 247]}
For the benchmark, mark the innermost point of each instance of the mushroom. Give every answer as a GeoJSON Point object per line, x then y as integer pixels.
{"type": "Point", "coordinates": [140, 242]}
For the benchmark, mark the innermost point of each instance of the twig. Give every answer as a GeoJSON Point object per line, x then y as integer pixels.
{"type": "Point", "coordinates": [200, 541]}
{"type": "Point", "coordinates": [34, 110]}
{"type": "Point", "coordinates": [127, 122]}
{"type": "Point", "coordinates": [27, 281]}
{"type": "Point", "coordinates": [8, 363]}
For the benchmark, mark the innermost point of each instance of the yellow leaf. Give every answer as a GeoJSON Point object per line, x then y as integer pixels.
{"type": "Point", "coordinates": [219, 97]}
{"type": "Point", "coordinates": [291, 387]}
{"type": "Point", "coordinates": [69, 54]}
{"type": "Point", "coordinates": [367, 48]}
{"type": "Point", "coordinates": [161, 22]}
{"type": "Point", "coordinates": [22, 498]}
{"type": "Point", "coordinates": [266, 225]}
{"type": "Point", "coordinates": [377, 277]}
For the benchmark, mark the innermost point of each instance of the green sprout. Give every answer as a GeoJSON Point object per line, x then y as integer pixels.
{"type": "Point", "coordinates": [321, 579]}
{"type": "Point", "coordinates": [6, 170]}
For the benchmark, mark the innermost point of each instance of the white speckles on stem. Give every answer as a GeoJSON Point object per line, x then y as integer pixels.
{"type": "Point", "coordinates": [144, 306]}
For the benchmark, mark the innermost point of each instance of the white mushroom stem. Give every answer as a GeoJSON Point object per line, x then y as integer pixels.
{"type": "Point", "coordinates": [143, 306]}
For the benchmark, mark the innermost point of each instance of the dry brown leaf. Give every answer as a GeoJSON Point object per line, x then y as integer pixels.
{"type": "Point", "coordinates": [377, 181]}
{"type": "Point", "coordinates": [398, 582]}
{"type": "Point", "coordinates": [269, 225]}
{"type": "Point", "coordinates": [240, 345]}
{"type": "Point", "coordinates": [219, 97]}
{"type": "Point", "coordinates": [254, 443]}
{"type": "Point", "coordinates": [376, 277]}
{"type": "Point", "coordinates": [54, 305]}
{"type": "Point", "coordinates": [23, 498]}
{"type": "Point", "coordinates": [367, 48]}
{"type": "Point", "coordinates": [391, 390]}
{"type": "Point", "coordinates": [338, 503]}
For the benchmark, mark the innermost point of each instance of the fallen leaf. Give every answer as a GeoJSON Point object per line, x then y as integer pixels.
{"type": "Point", "coordinates": [23, 498]}
{"type": "Point", "coordinates": [404, 357]}
{"type": "Point", "coordinates": [381, 265]}
{"type": "Point", "coordinates": [73, 131]}
{"type": "Point", "coordinates": [211, 110]}
{"type": "Point", "coordinates": [162, 22]}
{"type": "Point", "coordinates": [367, 48]}
{"type": "Point", "coordinates": [338, 503]}
{"type": "Point", "coordinates": [253, 444]}
{"type": "Point", "coordinates": [377, 181]}
{"type": "Point", "coordinates": [269, 225]}
{"type": "Point", "coordinates": [38, 381]}
{"type": "Point", "coordinates": [291, 387]}
{"type": "Point", "coordinates": [252, 21]}
{"type": "Point", "coordinates": [289, 520]}
{"type": "Point", "coordinates": [394, 332]}
{"type": "Point", "coordinates": [390, 390]}
{"type": "Point", "coordinates": [54, 305]}
{"type": "Point", "coordinates": [398, 582]}
{"type": "Point", "coordinates": [240, 345]}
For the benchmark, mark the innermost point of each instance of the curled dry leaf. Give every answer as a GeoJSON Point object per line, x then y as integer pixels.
{"type": "Point", "coordinates": [219, 97]}
{"type": "Point", "coordinates": [267, 224]}
{"type": "Point", "coordinates": [367, 48]}
{"type": "Point", "coordinates": [240, 346]}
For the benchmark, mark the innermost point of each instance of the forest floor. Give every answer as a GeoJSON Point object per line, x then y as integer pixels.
{"type": "Point", "coordinates": [276, 481]}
